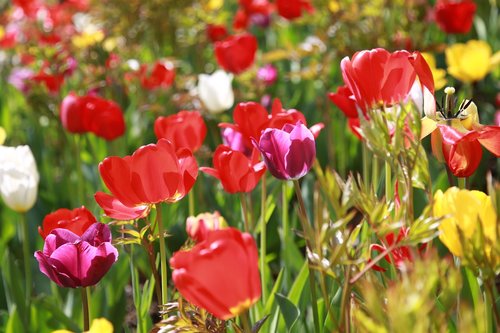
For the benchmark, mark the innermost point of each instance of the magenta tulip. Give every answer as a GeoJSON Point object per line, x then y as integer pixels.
{"type": "Point", "coordinates": [77, 261]}
{"type": "Point", "coordinates": [289, 153]}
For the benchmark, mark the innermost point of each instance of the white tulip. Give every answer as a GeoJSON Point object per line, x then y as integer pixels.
{"type": "Point", "coordinates": [18, 177]}
{"type": "Point", "coordinates": [215, 91]}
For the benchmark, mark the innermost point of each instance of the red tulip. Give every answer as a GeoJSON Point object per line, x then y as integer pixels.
{"type": "Point", "coordinates": [379, 78]}
{"type": "Point", "coordinates": [252, 10]}
{"type": "Point", "coordinates": [237, 172]}
{"type": "Point", "coordinates": [236, 53]}
{"type": "Point", "coordinates": [104, 117]}
{"type": "Point", "coordinates": [77, 261]}
{"type": "Point", "coordinates": [81, 114]}
{"type": "Point", "coordinates": [198, 227]}
{"type": "Point", "coordinates": [162, 75]}
{"type": "Point", "coordinates": [292, 9]}
{"type": "Point", "coordinates": [400, 256]}
{"type": "Point", "coordinates": [154, 173]}
{"type": "Point", "coordinates": [220, 274]}
{"type": "Point", "coordinates": [344, 100]}
{"type": "Point", "coordinates": [77, 221]}
{"type": "Point", "coordinates": [185, 129]}
{"type": "Point", "coordinates": [52, 82]}
{"type": "Point", "coordinates": [455, 17]}
{"type": "Point", "coordinates": [216, 32]}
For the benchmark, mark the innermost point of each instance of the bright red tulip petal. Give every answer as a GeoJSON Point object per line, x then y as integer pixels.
{"type": "Point", "coordinates": [489, 137]}
{"type": "Point", "coordinates": [115, 209]}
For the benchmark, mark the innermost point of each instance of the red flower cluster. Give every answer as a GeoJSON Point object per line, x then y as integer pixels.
{"type": "Point", "coordinates": [185, 129]}
{"type": "Point", "coordinates": [455, 17]}
{"type": "Point", "coordinates": [90, 113]}
{"type": "Point", "coordinates": [236, 53]}
{"type": "Point", "coordinates": [220, 274]}
{"type": "Point", "coordinates": [154, 173]}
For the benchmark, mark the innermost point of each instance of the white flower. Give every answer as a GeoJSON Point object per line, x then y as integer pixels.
{"type": "Point", "coordinates": [215, 91]}
{"type": "Point", "coordinates": [18, 177]}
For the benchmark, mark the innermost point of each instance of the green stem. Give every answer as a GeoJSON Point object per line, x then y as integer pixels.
{"type": "Point", "coordinates": [244, 211]}
{"type": "Point", "coordinates": [263, 240]}
{"type": "Point", "coordinates": [490, 297]}
{"type": "Point", "coordinates": [305, 228]}
{"type": "Point", "coordinates": [388, 182]}
{"type": "Point", "coordinates": [163, 256]}
{"type": "Point", "coordinates": [86, 310]}
{"type": "Point", "coordinates": [80, 183]}
{"type": "Point", "coordinates": [366, 165]}
{"type": "Point", "coordinates": [191, 202]}
{"type": "Point", "coordinates": [27, 267]}
{"type": "Point", "coordinates": [245, 322]}
{"type": "Point", "coordinates": [462, 182]}
{"type": "Point", "coordinates": [375, 174]}
{"type": "Point", "coordinates": [284, 212]}
{"type": "Point", "coordinates": [343, 302]}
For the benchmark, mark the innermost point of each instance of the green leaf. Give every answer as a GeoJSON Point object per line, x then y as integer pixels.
{"type": "Point", "coordinates": [298, 284]}
{"type": "Point", "coordinates": [14, 325]}
{"type": "Point", "coordinates": [289, 311]}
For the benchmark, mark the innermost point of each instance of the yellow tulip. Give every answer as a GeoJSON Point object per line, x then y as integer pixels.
{"type": "Point", "coordinates": [87, 39]}
{"type": "Point", "coordinates": [472, 61]}
{"type": "Point", "coordinates": [3, 135]}
{"type": "Point", "coordinates": [438, 74]}
{"type": "Point", "coordinates": [463, 211]}
{"type": "Point", "coordinates": [100, 325]}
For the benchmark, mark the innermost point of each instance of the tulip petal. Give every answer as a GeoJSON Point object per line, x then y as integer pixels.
{"type": "Point", "coordinates": [115, 209]}
{"type": "Point", "coordinates": [428, 126]}
{"type": "Point", "coordinates": [489, 137]}
{"type": "Point", "coordinates": [51, 272]}
{"type": "Point", "coordinates": [462, 152]}
{"type": "Point", "coordinates": [274, 145]}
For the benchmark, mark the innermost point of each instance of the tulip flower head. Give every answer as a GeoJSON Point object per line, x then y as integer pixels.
{"type": "Point", "coordinates": [378, 78]}
{"type": "Point", "coordinates": [289, 153]}
{"type": "Point", "coordinates": [236, 172]}
{"type": "Point", "coordinates": [292, 9]}
{"type": "Point", "coordinates": [77, 261]}
{"type": "Point", "coordinates": [77, 221]}
{"type": "Point", "coordinates": [219, 274]}
{"type": "Point", "coordinates": [455, 17]}
{"type": "Point", "coordinates": [161, 75]}
{"type": "Point", "coordinates": [215, 91]}
{"type": "Point", "coordinates": [198, 227]}
{"type": "Point", "coordinates": [154, 173]}
{"type": "Point", "coordinates": [185, 129]}
{"type": "Point", "coordinates": [236, 53]}
{"type": "Point", "coordinates": [400, 256]}
{"type": "Point", "coordinates": [18, 178]}
{"type": "Point", "coordinates": [457, 137]}
{"type": "Point", "coordinates": [466, 215]}
{"type": "Point", "coordinates": [472, 61]}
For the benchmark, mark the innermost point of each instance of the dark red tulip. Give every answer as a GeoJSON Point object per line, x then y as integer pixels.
{"type": "Point", "coordinates": [185, 129]}
{"type": "Point", "coordinates": [77, 221]}
{"type": "Point", "coordinates": [216, 32]}
{"type": "Point", "coordinates": [292, 9]}
{"type": "Point", "coordinates": [236, 53]}
{"type": "Point", "coordinates": [219, 274]}
{"type": "Point", "coordinates": [77, 261]}
{"type": "Point", "coordinates": [236, 172]}
{"type": "Point", "coordinates": [455, 17]}
{"type": "Point", "coordinates": [154, 173]}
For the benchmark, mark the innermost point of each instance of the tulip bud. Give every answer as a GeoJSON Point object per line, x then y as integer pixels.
{"type": "Point", "coordinates": [198, 226]}
{"type": "Point", "coordinates": [289, 153]}
{"type": "Point", "coordinates": [215, 91]}
{"type": "Point", "coordinates": [18, 177]}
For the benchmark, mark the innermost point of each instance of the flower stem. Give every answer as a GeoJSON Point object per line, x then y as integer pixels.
{"type": "Point", "coordinates": [191, 202]}
{"type": "Point", "coordinates": [305, 228]}
{"type": "Point", "coordinates": [366, 166]}
{"type": "Point", "coordinates": [375, 174]}
{"type": "Point", "coordinates": [245, 322]}
{"type": "Point", "coordinates": [263, 240]}
{"type": "Point", "coordinates": [86, 310]}
{"type": "Point", "coordinates": [462, 183]}
{"type": "Point", "coordinates": [163, 256]}
{"type": "Point", "coordinates": [27, 266]}
{"type": "Point", "coordinates": [244, 211]}
{"type": "Point", "coordinates": [284, 212]}
{"type": "Point", "coordinates": [490, 296]}
{"type": "Point", "coordinates": [388, 182]}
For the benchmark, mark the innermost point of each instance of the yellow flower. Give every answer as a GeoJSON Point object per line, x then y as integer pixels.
{"type": "Point", "coordinates": [86, 39]}
{"type": "Point", "coordinates": [438, 74]}
{"type": "Point", "coordinates": [334, 6]}
{"type": "Point", "coordinates": [463, 211]}
{"type": "Point", "coordinates": [213, 4]}
{"type": "Point", "coordinates": [3, 135]}
{"type": "Point", "coordinates": [100, 325]}
{"type": "Point", "coordinates": [472, 61]}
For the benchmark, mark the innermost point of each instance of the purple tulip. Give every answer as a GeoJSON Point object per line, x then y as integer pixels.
{"type": "Point", "coordinates": [77, 261]}
{"type": "Point", "coordinates": [289, 153]}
